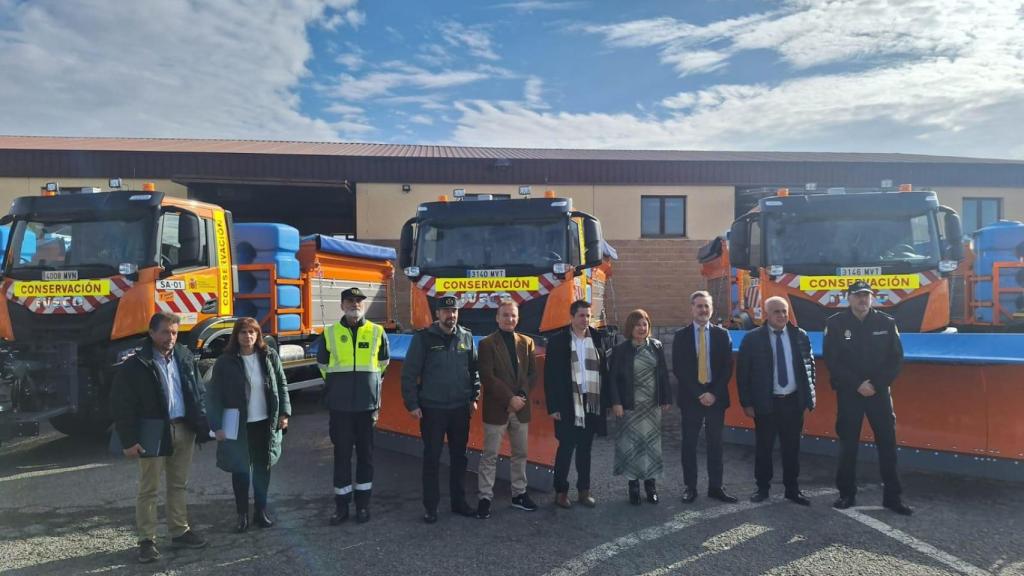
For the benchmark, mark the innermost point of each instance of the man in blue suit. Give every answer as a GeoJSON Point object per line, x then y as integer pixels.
{"type": "Point", "coordinates": [702, 363]}
{"type": "Point", "coordinates": [775, 380]}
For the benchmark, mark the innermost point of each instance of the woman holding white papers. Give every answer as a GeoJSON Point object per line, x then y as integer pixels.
{"type": "Point", "coordinates": [249, 410]}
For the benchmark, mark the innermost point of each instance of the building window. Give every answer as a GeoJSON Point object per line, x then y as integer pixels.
{"type": "Point", "coordinates": [980, 212]}
{"type": "Point", "coordinates": [663, 216]}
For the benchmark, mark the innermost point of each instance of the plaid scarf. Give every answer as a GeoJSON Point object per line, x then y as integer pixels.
{"type": "Point", "coordinates": [593, 375]}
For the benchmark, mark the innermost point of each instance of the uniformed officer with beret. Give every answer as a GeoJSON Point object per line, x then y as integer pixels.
{"type": "Point", "coordinates": [440, 385]}
{"type": "Point", "coordinates": [352, 354]}
{"type": "Point", "coordinates": [864, 355]}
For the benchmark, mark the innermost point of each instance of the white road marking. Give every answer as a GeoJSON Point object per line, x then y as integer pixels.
{"type": "Point", "coordinates": [719, 543]}
{"type": "Point", "coordinates": [39, 473]}
{"type": "Point", "coordinates": [595, 556]}
{"type": "Point", "coordinates": [919, 545]}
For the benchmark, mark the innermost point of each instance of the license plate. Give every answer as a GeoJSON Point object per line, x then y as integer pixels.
{"type": "Point", "coordinates": [485, 274]}
{"type": "Point", "coordinates": [60, 275]}
{"type": "Point", "coordinates": [859, 271]}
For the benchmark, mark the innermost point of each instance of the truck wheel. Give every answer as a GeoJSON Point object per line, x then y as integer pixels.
{"type": "Point", "coordinates": [80, 426]}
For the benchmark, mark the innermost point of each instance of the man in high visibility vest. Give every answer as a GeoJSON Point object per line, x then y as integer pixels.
{"type": "Point", "coordinates": [352, 354]}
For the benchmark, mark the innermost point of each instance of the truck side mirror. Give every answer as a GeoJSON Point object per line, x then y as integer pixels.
{"type": "Point", "coordinates": [739, 244]}
{"type": "Point", "coordinates": [406, 245]}
{"type": "Point", "coordinates": [593, 242]}
{"type": "Point", "coordinates": [954, 236]}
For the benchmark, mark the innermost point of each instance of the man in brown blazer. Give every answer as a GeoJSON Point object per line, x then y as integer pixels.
{"type": "Point", "coordinates": [507, 373]}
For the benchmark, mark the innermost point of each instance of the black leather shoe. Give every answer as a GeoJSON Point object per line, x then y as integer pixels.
{"type": "Point", "coordinates": [263, 520]}
{"type": "Point", "coordinates": [243, 523]}
{"type": "Point", "coordinates": [759, 496]}
{"type": "Point", "coordinates": [651, 490]}
{"type": "Point", "coordinates": [430, 516]}
{"type": "Point", "coordinates": [844, 502]}
{"type": "Point", "coordinates": [340, 514]}
{"type": "Point", "coordinates": [798, 497]}
{"type": "Point", "coordinates": [463, 509]}
{"type": "Point", "coordinates": [362, 515]}
{"type": "Point", "coordinates": [689, 495]}
{"type": "Point", "coordinates": [483, 509]}
{"type": "Point", "coordinates": [898, 507]}
{"type": "Point", "coordinates": [634, 492]}
{"type": "Point", "coordinates": [722, 496]}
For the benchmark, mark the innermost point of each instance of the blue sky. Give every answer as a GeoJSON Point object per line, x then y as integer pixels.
{"type": "Point", "coordinates": [914, 76]}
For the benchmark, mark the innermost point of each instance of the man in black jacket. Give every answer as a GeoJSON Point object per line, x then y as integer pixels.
{"type": "Point", "coordinates": [702, 363]}
{"type": "Point", "coordinates": [864, 355]}
{"type": "Point", "coordinates": [160, 384]}
{"type": "Point", "coordinates": [440, 386]}
{"type": "Point", "coordinates": [575, 380]}
{"type": "Point", "coordinates": [775, 379]}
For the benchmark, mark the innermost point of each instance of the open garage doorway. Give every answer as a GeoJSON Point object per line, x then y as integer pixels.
{"type": "Point", "coordinates": [324, 209]}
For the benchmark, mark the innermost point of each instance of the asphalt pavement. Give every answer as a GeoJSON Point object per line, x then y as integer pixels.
{"type": "Point", "coordinates": [66, 507]}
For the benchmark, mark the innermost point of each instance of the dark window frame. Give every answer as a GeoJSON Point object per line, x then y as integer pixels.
{"type": "Point", "coordinates": [978, 200]}
{"type": "Point", "coordinates": [661, 216]}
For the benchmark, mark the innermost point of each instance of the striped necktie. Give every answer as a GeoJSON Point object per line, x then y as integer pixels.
{"type": "Point", "coordinates": [702, 358]}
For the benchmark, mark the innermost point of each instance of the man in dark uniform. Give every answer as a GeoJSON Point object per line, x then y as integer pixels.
{"type": "Point", "coordinates": [440, 385]}
{"type": "Point", "coordinates": [864, 354]}
{"type": "Point", "coordinates": [352, 355]}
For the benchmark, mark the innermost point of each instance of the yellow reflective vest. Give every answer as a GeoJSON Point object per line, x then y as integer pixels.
{"type": "Point", "coordinates": [354, 370]}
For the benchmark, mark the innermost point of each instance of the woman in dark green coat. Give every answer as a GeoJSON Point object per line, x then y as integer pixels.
{"type": "Point", "coordinates": [248, 382]}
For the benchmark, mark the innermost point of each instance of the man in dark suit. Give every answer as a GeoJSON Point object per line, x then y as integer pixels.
{"type": "Point", "coordinates": [702, 363]}
{"type": "Point", "coordinates": [507, 373]}
{"type": "Point", "coordinates": [574, 378]}
{"type": "Point", "coordinates": [775, 380]}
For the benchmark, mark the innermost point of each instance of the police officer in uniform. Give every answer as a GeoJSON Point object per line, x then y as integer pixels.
{"type": "Point", "coordinates": [352, 354]}
{"type": "Point", "coordinates": [863, 354]}
{"type": "Point", "coordinates": [440, 385]}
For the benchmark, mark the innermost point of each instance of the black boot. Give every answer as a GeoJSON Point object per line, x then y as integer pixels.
{"type": "Point", "coordinates": [243, 522]}
{"type": "Point", "coordinates": [651, 490]}
{"type": "Point", "coordinates": [340, 510]}
{"type": "Point", "coordinates": [262, 519]}
{"type": "Point", "coordinates": [634, 492]}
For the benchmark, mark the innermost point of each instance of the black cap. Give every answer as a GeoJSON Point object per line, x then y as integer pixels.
{"type": "Point", "coordinates": [859, 286]}
{"type": "Point", "coordinates": [447, 302]}
{"type": "Point", "coordinates": [353, 294]}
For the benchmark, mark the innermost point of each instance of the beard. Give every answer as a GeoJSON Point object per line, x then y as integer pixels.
{"type": "Point", "coordinates": [354, 315]}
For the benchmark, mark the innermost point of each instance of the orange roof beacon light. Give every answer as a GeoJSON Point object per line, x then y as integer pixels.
{"type": "Point", "coordinates": [442, 198]}
{"type": "Point", "coordinates": [149, 187]}
{"type": "Point", "coordinates": [906, 187]}
{"type": "Point", "coordinates": [51, 189]}
{"type": "Point", "coordinates": [782, 192]}
{"type": "Point", "coordinates": [549, 193]}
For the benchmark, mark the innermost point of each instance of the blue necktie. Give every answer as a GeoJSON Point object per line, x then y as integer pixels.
{"type": "Point", "coordinates": [780, 360]}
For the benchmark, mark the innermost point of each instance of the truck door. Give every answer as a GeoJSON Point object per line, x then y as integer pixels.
{"type": "Point", "coordinates": [188, 284]}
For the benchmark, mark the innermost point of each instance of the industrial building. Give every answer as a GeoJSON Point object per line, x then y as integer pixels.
{"type": "Point", "coordinates": [657, 207]}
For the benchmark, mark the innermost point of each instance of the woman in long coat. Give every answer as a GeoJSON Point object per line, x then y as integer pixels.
{"type": "Point", "coordinates": [248, 378]}
{"type": "Point", "coordinates": [640, 391]}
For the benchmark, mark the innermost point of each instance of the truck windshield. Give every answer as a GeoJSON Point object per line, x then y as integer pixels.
{"type": "Point", "coordinates": [536, 244]}
{"type": "Point", "coordinates": [94, 247]}
{"type": "Point", "coordinates": [907, 242]}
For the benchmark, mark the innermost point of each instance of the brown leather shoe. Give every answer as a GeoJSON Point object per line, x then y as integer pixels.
{"type": "Point", "coordinates": [586, 499]}
{"type": "Point", "coordinates": [562, 500]}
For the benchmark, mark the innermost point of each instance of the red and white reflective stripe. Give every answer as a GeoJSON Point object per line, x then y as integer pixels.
{"type": "Point", "coordinates": [483, 300]}
{"type": "Point", "coordinates": [182, 301]}
{"type": "Point", "coordinates": [78, 304]}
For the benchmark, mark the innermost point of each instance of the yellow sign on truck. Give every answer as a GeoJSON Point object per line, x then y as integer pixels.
{"type": "Point", "coordinates": [882, 282]}
{"type": "Point", "coordinates": [98, 287]}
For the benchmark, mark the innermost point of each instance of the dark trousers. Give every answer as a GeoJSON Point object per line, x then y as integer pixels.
{"type": "Point", "coordinates": [259, 463]}
{"type": "Point", "coordinates": [712, 419]}
{"type": "Point", "coordinates": [852, 407]}
{"type": "Point", "coordinates": [572, 438]}
{"type": "Point", "coordinates": [435, 424]}
{"type": "Point", "coordinates": [785, 421]}
{"type": "Point", "coordinates": [352, 430]}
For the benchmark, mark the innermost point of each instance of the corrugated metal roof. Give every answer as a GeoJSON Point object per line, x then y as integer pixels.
{"type": "Point", "coordinates": [368, 150]}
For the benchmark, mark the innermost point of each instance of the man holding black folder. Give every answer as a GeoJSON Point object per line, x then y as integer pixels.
{"type": "Point", "coordinates": [159, 414]}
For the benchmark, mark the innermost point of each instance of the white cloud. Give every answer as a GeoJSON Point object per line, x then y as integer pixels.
{"type": "Point", "coordinates": [527, 6]}
{"type": "Point", "coordinates": [382, 83]}
{"type": "Point", "coordinates": [422, 119]}
{"type": "Point", "coordinates": [932, 79]}
{"type": "Point", "coordinates": [476, 40]}
{"type": "Point", "coordinates": [533, 92]}
{"type": "Point", "coordinates": [161, 69]}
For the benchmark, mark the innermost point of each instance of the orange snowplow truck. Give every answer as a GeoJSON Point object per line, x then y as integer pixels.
{"type": "Point", "coordinates": [536, 251]}
{"type": "Point", "coordinates": [88, 270]}
{"type": "Point", "coordinates": [808, 248]}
